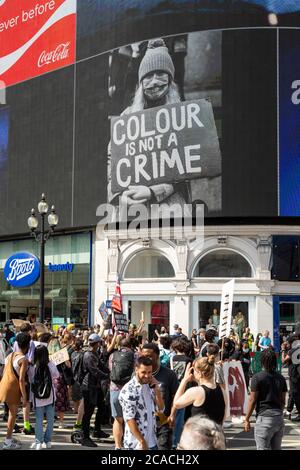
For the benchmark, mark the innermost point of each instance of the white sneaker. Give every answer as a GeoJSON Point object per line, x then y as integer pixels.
{"type": "Point", "coordinates": [47, 445]}
{"type": "Point", "coordinates": [14, 444]}
{"type": "Point", "coordinates": [227, 425]}
{"type": "Point", "coordinates": [36, 446]}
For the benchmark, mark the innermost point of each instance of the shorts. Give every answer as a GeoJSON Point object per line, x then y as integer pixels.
{"type": "Point", "coordinates": [76, 392]}
{"type": "Point", "coordinates": [116, 408]}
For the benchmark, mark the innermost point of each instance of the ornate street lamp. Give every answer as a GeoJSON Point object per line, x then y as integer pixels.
{"type": "Point", "coordinates": [42, 236]}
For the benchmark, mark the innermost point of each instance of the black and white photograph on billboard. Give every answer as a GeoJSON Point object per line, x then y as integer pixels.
{"type": "Point", "coordinates": [164, 100]}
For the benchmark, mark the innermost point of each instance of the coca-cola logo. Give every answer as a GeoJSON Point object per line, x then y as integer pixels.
{"type": "Point", "coordinates": [22, 269]}
{"type": "Point", "coordinates": [61, 52]}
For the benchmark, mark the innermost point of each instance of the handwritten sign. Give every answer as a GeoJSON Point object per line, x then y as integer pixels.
{"type": "Point", "coordinates": [166, 144]}
{"type": "Point", "coordinates": [226, 309]}
{"type": "Point", "coordinates": [60, 356]}
{"type": "Point", "coordinates": [121, 322]}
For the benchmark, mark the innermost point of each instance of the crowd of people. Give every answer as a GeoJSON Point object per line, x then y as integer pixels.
{"type": "Point", "coordinates": [152, 390]}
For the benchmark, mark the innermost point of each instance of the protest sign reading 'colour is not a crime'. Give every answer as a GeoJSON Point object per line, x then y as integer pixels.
{"type": "Point", "coordinates": [167, 144]}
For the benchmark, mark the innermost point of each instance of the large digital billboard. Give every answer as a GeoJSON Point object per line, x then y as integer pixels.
{"type": "Point", "coordinates": [177, 104]}
{"type": "Point", "coordinates": [35, 37]}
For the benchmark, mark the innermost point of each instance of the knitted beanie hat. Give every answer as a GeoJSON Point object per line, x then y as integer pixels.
{"type": "Point", "coordinates": [157, 57]}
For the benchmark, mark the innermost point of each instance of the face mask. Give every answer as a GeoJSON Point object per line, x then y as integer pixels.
{"type": "Point", "coordinates": [246, 350]}
{"type": "Point", "coordinates": [156, 86]}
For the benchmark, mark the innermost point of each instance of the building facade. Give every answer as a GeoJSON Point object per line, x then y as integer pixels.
{"type": "Point", "coordinates": [180, 282]}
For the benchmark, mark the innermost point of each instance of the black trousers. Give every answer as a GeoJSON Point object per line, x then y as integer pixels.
{"type": "Point", "coordinates": [90, 403]}
{"type": "Point", "coordinates": [294, 396]}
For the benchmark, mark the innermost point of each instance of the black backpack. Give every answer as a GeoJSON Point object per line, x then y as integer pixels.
{"type": "Point", "coordinates": [42, 383]}
{"type": "Point", "coordinates": [122, 367]}
{"type": "Point", "coordinates": [77, 366]}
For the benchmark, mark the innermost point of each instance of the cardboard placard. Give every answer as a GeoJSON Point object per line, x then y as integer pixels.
{"type": "Point", "coordinates": [60, 356]}
{"type": "Point", "coordinates": [41, 328]}
{"type": "Point", "coordinates": [18, 323]}
{"type": "Point", "coordinates": [165, 144]}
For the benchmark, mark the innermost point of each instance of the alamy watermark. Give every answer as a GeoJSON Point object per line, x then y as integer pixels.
{"type": "Point", "coordinates": [155, 221]}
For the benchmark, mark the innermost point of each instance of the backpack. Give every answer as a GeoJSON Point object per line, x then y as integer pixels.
{"type": "Point", "coordinates": [42, 383]}
{"type": "Point", "coordinates": [77, 366]}
{"type": "Point", "coordinates": [165, 358]}
{"type": "Point", "coordinates": [122, 366]}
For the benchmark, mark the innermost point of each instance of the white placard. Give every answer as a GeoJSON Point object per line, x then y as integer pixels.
{"type": "Point", "coordinates": [226, 309]}
{"type": "Point", "coordinates": [60, 356]}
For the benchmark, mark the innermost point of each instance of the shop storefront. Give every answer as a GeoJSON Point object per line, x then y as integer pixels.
{"type": "Point", "coordinates": [67, 281]}
{"type": "Point", "coordinates": [178, 282]}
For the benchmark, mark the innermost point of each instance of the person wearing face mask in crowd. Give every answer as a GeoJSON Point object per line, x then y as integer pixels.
{"type": "Point", "coordinates": [242, 354]}
{"type": "Point", "coordinates": [156, 87]}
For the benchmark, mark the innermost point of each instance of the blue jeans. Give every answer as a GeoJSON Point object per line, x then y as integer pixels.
{"type": "Point", "coordinates": [39, 415]}
{"type": "Point", "coordinates": [179, 423]}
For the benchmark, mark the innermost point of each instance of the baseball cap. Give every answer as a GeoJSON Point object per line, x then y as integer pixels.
{"type": "Point", "coordinates": [94, 338]}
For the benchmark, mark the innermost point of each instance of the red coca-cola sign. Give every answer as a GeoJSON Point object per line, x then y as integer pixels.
{"type": "Point", "coordinates": [36, 36]}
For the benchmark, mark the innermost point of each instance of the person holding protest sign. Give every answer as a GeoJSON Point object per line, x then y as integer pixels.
{"type": "Point", "coordinates": [156, 87]}
{"type": "Point", "coordinates": [161, 147]}
{"type": "Point", "coordinates": [62, 399]}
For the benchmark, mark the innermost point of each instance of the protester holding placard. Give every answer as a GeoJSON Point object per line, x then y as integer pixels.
{"type": "Point", "coordinates": [62, 399]}
{"type": "Point", "coordinates": [158, 144]}
{"type": "Point", "coordinates": [156, 87]}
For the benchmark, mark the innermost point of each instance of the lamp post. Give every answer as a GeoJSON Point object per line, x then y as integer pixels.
{"type": "Point", "coordinates": [41, 236]}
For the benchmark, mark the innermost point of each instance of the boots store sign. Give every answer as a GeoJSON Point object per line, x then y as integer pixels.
{"type": "Point", "coordinates": [22, 269]}
{"type": "Point", "coordinates": [36, 36]}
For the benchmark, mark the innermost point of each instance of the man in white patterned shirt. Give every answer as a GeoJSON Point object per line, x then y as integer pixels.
{"type": "Point", "coordinates": [140, 398]}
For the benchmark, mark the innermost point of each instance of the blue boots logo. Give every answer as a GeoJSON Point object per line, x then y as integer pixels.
{"type": "Point", "coordinates": [22, 269]}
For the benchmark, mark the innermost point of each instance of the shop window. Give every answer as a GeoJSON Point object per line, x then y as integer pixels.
{"type": "Point", "coordinates": [209, 316]}
{"type": "Point", "coordinates": [149, 264]}
{"type": "Point", "coordinates": [223, 263]}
